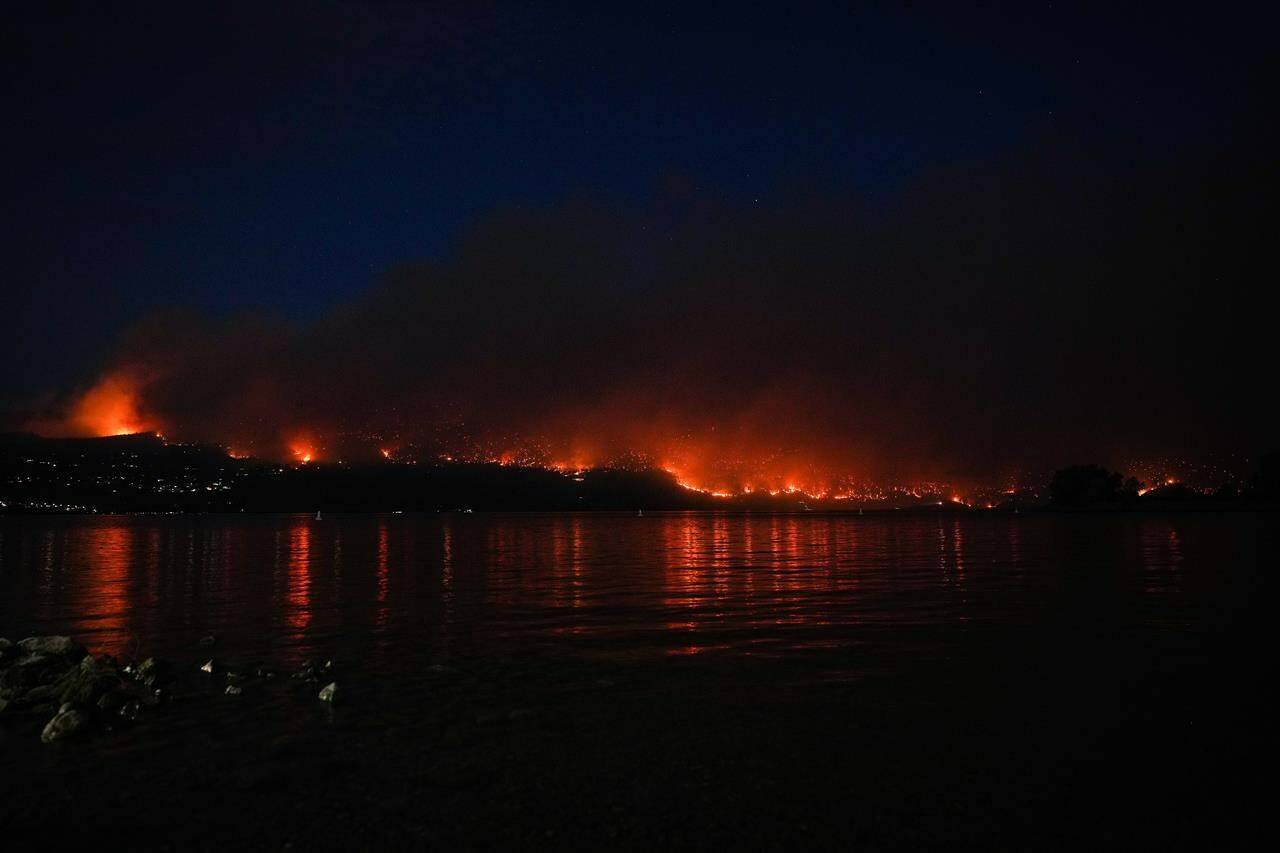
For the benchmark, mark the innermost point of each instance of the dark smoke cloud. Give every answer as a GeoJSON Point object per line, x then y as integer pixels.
{"type": "Point", "coordinates": [1064, 304]}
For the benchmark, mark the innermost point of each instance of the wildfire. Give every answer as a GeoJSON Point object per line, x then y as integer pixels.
{"type": "Point", "coordinates": [771, 486]}
{"type": "Point", "coordinates": [724, 473]}
{"type": "Point", "coordinates": [715, 493]}
{"type": "Point", "coordinates": [110, 407]}
{"type": "Point", "coordinates": [575, 467]}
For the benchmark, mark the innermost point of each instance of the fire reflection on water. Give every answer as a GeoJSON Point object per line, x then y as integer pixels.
{"type": "Point", "coordinates": [446, 568]}
{"type": "Point", "coordinates": [567, 559]}
{"type": "Point", "coordinates": [103, 597]}
{"type": "Point", "coordinates": [298, 597]}
{"type": "Point", "coordinates": [383, 562]}
{"type": "Point", "coordinates": [382, 572]}
{"type": "Point", "coordinates": [665, 584]}
{"type": "Point", "coordinates": [1162, 558]}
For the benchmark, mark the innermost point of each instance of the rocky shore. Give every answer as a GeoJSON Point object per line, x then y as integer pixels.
{"type": "Point", "coordinates": [55, 684]}
{"type": "Point", "coordinates": [1002, 747]}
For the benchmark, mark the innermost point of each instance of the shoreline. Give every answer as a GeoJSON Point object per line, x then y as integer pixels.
{"type": "Point", "coordinates": [1098, 691]}
{"type": "Point", "coordinates": [979, 749]}
{"type": "Point", "coordinates": [1188, 507]}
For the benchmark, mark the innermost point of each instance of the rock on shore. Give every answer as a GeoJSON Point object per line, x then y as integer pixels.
{"type": "Point", "coordinates": [55, 679]}
{"type": "Point", "coordinates": [55, 675]}
{"type": "Point", "coordinates": [68, 721]}
{"type": "Point", "coordinates": [56, 645]}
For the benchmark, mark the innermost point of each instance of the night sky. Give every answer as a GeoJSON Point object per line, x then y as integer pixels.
{"type": "Point", "coordinates": [892, 239]}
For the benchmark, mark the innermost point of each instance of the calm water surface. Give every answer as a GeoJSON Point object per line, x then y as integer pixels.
{"type": "Point", "coordinates": [406, 588]}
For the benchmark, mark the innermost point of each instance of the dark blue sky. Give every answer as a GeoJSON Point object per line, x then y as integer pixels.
{"type": "Point", "coordinates": [282, 156]}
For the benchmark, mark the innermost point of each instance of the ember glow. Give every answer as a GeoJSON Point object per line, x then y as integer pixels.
{"type": "Point", "coordinates": [112, 406]}
{"type": "Point", "coordinates": [110, 409]}
{"type": "Point", "coordinates": [303, 452]}
{"type": "Point", "coordinates": [725, 464]}
{"type": "Point", "coordinates": [783, 351]}
{"type": "Point", "coordinates": [712, 461]}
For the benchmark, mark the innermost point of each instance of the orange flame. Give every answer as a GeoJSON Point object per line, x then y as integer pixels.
{"type": "Point", "coordinates": [110, 407]}
{"type": "Point", "coordinates": [303, 452]}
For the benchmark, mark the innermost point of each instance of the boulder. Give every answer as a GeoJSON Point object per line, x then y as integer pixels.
{"type": "Point", "coordinates": [34, 660]}
{"type": "Point", "coordinates": [86, 682]}
{"type": "Point", "coordinates": [43, 693]}
{"type": "Point", "coordinates": [16, 679]}
{"type": "Point", "coordinates": [65, 724]}
{"type": "Point", "coordinates": [58, 646]}
{"type": "Point", "coordinates": [112, 702]}
{"type": "Point", "coordinates": [152, 673]}
{"type": "Point", "coordinates": [311, 671]}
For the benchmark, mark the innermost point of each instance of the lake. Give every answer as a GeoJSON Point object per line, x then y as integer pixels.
{"type": "Point", "coordinates": [615, 586]}
{"type": "Point", "coordinates": [677, 645]}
